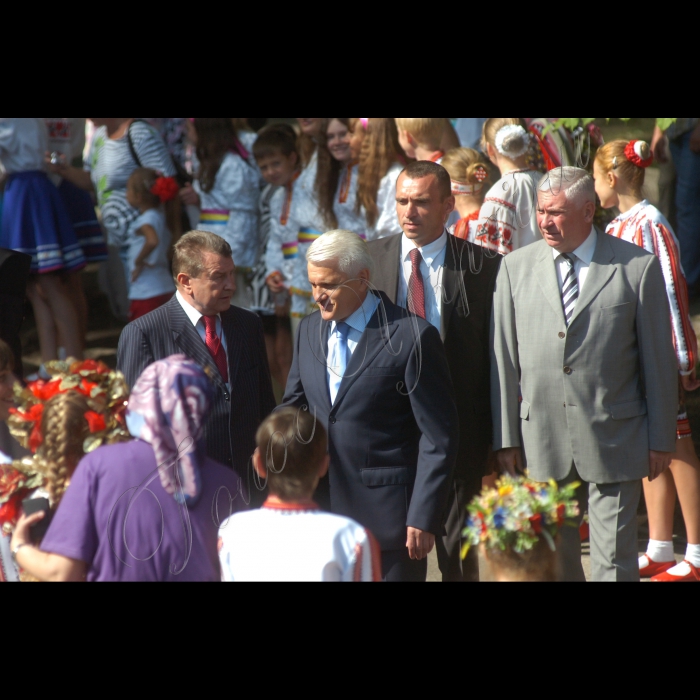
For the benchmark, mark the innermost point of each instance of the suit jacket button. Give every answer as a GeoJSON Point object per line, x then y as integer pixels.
{"type": "Point", "coordinates": [562, 335]}
{"type": "Point", "coordinates": [568, 370]}
{"type": "Point", "coordinates": [332, 421]}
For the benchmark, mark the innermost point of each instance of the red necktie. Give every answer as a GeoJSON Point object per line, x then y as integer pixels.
{"type": "Point", "coordinates": [416, 290]}
{"type": "Point", "coordinates": [216, 349]}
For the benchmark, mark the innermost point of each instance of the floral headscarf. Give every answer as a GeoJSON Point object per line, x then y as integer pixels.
{"type": "Point", "coordinates": [167, 409]}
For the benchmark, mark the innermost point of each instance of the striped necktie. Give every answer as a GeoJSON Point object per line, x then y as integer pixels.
{"type": "Point", "coordinates": [569, 291]}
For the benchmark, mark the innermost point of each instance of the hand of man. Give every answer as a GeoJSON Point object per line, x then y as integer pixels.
{"type": "Point", "coordinates": [659, 462]}
{"type": "Point", "coordinates": [419, 543]}
{"type": "Point", "coordinates": [658, 146]}
{"type": "Point", "coordinates": [691, 381]}
{"type": "Point", "coordinates": [695, 140]}
{"type": "Point", "coordinates": [510, 461]}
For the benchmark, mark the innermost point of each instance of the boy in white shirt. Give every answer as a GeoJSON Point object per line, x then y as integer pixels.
{"type": "Point", "coordinates": [289, 539]}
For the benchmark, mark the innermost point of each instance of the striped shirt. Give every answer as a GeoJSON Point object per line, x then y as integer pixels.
{"type": "Point", "coordinates": [111, 164]}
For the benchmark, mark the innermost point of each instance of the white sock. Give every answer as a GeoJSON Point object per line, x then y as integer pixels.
{"type": "Point", "coordinates": [693, 555]}
{"type": "Point", "coordinates": [660, 552]}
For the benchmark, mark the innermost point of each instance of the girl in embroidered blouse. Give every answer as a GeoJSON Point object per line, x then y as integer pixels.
{"type": "Point", "coordinates": [227, 192]}
{"type": "Point", "coordinates": [619, 171]}
{"type": "Point", "coordinates": [470, 178]}
{"type": "Point", "coordinates": [337, 176]}
{"type": "Point", "coordinates": [508, 218]}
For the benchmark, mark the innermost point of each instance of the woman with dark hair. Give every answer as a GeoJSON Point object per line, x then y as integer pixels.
{"type": "Point", "coordinates": [227, 191]}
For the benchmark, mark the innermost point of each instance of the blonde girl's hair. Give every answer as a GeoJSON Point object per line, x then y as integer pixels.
{"type": "Point", "coordinates": [463, 164]}
{"type": "Point", "coordinates": [493, 126]}
{"type": "Point", "coordinates": [427, 131]}
{"type": "Point", "coordinates": [380, 150]}
{"type": "Point", "coordinates": [611, 158]}
{"type": "Point", "coordinates": [64, 429]}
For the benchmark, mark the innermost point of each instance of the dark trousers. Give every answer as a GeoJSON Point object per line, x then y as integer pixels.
{"type": "Point", "coordinates": [449, 547]}
{"type": "Point", "coordinates": [398, 567]}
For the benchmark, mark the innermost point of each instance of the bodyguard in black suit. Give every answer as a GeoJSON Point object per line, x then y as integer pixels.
{"type": "Point", "coordinates": [205, 273]}
{"type": "Point", "coordinates": [390, 415]}
{"type": "Point", "coordinates": [463, 288]}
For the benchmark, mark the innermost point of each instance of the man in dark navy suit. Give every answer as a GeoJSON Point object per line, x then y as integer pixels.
{"type": "Point", "coordinates": [377, 378]}
{"type": "Point", "coordinates": [228, 342]}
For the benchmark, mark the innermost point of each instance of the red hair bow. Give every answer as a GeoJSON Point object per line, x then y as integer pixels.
{"type": "Point", "coordinates": [166, 189]}
{"type": "Point", "coordinates": [633, 155]}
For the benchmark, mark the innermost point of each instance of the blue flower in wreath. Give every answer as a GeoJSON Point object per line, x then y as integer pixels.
{"type": "Point", "coordinates": [499, 518]}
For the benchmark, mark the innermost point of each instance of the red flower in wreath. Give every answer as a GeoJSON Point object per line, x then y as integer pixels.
{"type": "Point", "coordinates": [45, 390]}
{"type": "Point", "coordinates": [36, 439]}
{"type": "Point", "coordinates": [536, 521]}
{"type": "Point", "coordinates": [90, 366]}
{"type": "Point", "coordinates": [32, 416]}
{"type": "Point", "coordinates": [166, 189]}
{"type": "Point", "coordinates": [561, 514]}
{"type": "Point", "coordinates": [96, 421]}
{"type": "Point", "coordinates": [9, 512]}
{"type": "Point", "coordinates": [85, 388]}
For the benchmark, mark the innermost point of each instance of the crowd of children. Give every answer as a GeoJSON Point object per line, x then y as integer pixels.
{"type": "Point", "coordinates": [271, 194]}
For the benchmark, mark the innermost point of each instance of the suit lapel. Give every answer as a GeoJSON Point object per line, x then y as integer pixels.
{"type": "Point", "coordinates": [599, 273]}
{"type": "Point", "coordinates": [387, 273]}
{"type": "Point", "coordinates": [189, 341]}
{"type": "Point", "coordinates": [318, 354]}
{"type": "Point", "coordinates": [546, 273]}
{"type": "Point", "coordinates": [380, 330]}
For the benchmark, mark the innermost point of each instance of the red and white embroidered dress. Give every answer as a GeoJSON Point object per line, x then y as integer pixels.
{"type": "Point", "coordinates": [645, 226]}
{"type": "Point", "coordinates": [508, 217]}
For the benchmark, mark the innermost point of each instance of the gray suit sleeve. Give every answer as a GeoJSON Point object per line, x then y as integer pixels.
{"type": "Point", "coordinates": [134, 354]}
{"type": "Point", "coordinates": [505, 365]}
{"type": "Point", "coordinates": [659, 365]}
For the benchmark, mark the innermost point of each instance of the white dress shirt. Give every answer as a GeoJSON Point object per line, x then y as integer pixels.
{"type": "Point", "coordinates": [199, 326]}
{"type": "Point", "coordinates": [582, 261]}
{"type": "Point", "coordinates": [432, 269]}
{"type": "Point", "coordinates": [358, 323]}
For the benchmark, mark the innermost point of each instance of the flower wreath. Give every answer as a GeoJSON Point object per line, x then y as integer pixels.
{"type": "Point", "coordinates": [633, 153]}
{"type": "Point", "coordinates": [107, 394]}
{"type": "Point", "coordinates": [517, 513]}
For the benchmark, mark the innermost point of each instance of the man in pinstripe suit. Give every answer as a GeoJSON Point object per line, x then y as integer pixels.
{"type": "Point", "coordinates": [228, 342]}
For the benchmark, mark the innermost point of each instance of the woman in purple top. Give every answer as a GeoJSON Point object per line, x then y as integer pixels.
{"type": "Point", "coordinates": [148, 510]}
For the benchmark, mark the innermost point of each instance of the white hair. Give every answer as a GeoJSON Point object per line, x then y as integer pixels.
{"type": "Point", "coordinates": [576, 183]}
{"type": "Point", "coordinates": [344, 249]}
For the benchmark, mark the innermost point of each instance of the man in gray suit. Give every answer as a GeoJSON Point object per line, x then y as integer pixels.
{"type": "Point", "coordinates": [581, 332]}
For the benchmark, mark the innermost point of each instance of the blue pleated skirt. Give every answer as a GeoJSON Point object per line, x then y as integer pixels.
{"type": "Point", "coordinates": [35, 221]}
{"type": "Point", "coordinates": [88, 231]}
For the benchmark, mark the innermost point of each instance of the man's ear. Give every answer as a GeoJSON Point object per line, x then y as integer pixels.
{"type": "Point", "coordinates": [589, 212]}
{"type": "Point", "coordinates": [184, 282]}
{"type": "Point", "coordinates": [450, 204]}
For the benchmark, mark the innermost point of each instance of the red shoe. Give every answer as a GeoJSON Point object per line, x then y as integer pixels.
{"type": "Point", "coordinates": [585, 531]}
{"type": "Point", "coordinates": [655, 568]}
{"type": "Point", "coordinates": [692, 577]}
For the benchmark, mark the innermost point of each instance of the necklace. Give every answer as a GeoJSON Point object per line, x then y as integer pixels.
{"type": "Point", "coordinates": [288, 199]}
{"type": "Point", "coordinates": [347, 180]}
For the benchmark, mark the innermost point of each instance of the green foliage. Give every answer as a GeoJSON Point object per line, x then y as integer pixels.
{"type": "Point", "coordinates": [573, 122]}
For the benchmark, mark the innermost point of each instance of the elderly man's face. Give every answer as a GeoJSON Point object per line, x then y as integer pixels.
{"type": "Point", "coordinates": [421, 210]}
{"type": "Point", "coordinates": [212, 291]}
{"type": "Point", "coordinates": [564, 225]}
{"type": "Point", "coordinates": [337, 296]}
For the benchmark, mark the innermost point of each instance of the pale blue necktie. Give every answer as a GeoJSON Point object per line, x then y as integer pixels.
{"type": "Point", "coordinates": [338, 360]}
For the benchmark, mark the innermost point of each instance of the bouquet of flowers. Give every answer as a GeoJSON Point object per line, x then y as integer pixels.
{"type": "Point", "coordinates": [518, 513]}
{"type": "Point", "coordinates": [106, 393]}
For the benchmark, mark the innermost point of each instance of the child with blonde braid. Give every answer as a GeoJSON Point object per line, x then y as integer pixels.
{"type": "Point", "coordinates": [64, 427]}
{"type": "Point", "coordinates": [619, 171]}
{"type": "Point", "coordinates": [470, 176]}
